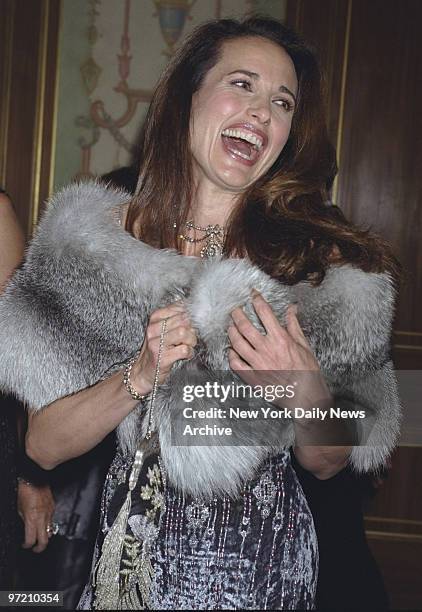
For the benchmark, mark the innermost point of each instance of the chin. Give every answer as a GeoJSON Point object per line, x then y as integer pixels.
{"type": "Point", "coordinates": [236, 185]}
{"type": "Point", "coordinates": [238, 182]}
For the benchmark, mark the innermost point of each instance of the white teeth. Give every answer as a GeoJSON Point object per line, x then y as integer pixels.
{"type": "Point", "coordinates": [252, 138]}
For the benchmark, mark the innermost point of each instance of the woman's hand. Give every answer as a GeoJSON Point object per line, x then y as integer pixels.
{"type": "Point", "coordinates": [76, 423]}
{"type": "Point", "coordinates": [279, 354]}
{"type": "Point", "coordinates": [283, 356]}
{"type": "Point", "coordinates": [179, 341]}
{"type": "Point", "coordinates": [35, 507]}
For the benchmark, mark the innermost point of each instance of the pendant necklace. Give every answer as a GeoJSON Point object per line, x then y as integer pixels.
{"type": "Point", "coordinates": [213, 238]}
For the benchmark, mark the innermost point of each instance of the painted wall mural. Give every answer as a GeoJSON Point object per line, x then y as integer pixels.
{"type": "Point", "coordinates": [111, 55]}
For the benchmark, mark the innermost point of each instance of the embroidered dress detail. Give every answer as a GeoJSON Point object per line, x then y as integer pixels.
{"type": "Point", "coordinates": [265, 493]}
{"type": "Point", "coordinates": [197, 515]}
{"type": "Point", "coordinates": [255, 552]}
{"type": "Point", "coordinates": [152, 492]}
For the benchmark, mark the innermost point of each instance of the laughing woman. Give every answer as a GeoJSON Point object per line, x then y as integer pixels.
{"type": "Point", "coordinates": [124, 301]}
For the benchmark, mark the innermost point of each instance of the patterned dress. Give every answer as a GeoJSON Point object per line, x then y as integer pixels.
{"type": "Point", "coordinates": [255, 552]}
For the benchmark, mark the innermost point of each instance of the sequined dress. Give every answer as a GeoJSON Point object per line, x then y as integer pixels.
{"type": "Point", "coordinates": [256, 552]}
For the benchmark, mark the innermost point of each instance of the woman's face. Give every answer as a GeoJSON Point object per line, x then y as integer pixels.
{"type": "Point", "coordinates": [242, 114]}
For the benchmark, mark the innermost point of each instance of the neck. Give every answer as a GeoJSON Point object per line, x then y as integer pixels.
{"type": "Point", "coordinates": [211, 206]}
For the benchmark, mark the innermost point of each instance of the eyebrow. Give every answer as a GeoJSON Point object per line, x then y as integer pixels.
{"type": "Point", "coordinates": [255, 75]}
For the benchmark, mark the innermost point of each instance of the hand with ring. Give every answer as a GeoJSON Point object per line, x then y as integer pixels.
{"type": "Point", "coordinates": [36, 508]}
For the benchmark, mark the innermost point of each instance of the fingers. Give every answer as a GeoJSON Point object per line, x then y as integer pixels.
{"type": "Point", "coordinates": [36, 508]}
{"type": "Point", "coordinates": [178, 331]}
{"type": "Point", "coordinates": [271, 323]}
{"type": "Point", "coordinates": [265, 314]}
{"type": "Point", "coordinates": [181, 335]}
{"type": "Point", "coordinates": [36, 536]}
{"type": "Point", "coordinates": [236, 362]}
{"type": "Point", "coordinates": [167, 311]}
{"type": "Point", "coordinates": [173, 322]}
{"type": "Point", "coordinates": [183, 351]}
{"type": "Point", "coordinates": [245, 327]}
{"type": "Point", "coordinates": [30, 534]}
{"type": "Point", "coordinates": [178, 327]}
{"type": "Point", "coordinates": [178, 336]}
{"type": "Point", "coordinates": [239, 343]}
{"type": "Point", "coordinates": [294, 328]}
{"type": "Point", "coordinates": [42, 537]}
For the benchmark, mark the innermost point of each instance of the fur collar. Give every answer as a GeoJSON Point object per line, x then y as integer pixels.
{"type": "Point", "coordinates": [78, 307]}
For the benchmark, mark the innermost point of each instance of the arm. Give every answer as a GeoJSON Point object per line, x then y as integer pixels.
{"type": "Point", "coordinates": [76, 423]}
{"type": "Point", "coordinates": [11, 240]}
{"type": "Point", "coordinates": [35, 503]}
{"type": "Point", "coordinates": [322, 461]}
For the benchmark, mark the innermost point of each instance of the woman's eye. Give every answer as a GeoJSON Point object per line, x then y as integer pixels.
{"type": "Point", "coordinates": [286, 104]}
{"type": "Point", "coordinates": [242, 83]}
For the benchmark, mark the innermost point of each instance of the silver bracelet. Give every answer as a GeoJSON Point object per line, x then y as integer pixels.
{"type": "Point", "coordinates": [128, 385]}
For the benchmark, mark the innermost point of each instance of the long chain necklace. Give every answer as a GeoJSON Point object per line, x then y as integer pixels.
{"type": "Point", "coordinates": [107, 570]}
{"type": "Point", "coordinates": [213, 237]}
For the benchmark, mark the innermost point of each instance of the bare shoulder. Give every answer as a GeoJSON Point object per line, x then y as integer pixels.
{"type": "Point", "coordinates": [6, 207]}
{"type": "Point", "coordinates": [11, 240]}
{"type": "Point", "coordinates": [8, 219]}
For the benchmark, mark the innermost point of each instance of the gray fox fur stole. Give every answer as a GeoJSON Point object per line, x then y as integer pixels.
{"type": "Point", "coordinates": [78, 307]}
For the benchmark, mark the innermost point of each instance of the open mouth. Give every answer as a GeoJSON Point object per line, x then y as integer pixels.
{"type": "Point", "coordinates": [242, 144]}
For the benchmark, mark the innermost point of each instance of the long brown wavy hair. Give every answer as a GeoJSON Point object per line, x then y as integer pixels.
{"type": "Point", "coordinates": [282, 222]}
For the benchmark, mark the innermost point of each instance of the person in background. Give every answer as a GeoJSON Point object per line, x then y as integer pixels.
{"type": "Point", "coordinates": [65, 564]}
{"type": "Point", "coordinates": [59, 509]}
{"type": "Point", "coordinates": [29, 499]}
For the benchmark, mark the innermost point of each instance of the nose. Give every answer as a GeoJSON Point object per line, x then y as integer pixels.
{"type": "Point", "coordinates": [260, 109]}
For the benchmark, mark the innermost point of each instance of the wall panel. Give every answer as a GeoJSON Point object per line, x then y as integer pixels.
{"type": "Point", "coordinates": [374, 100]}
